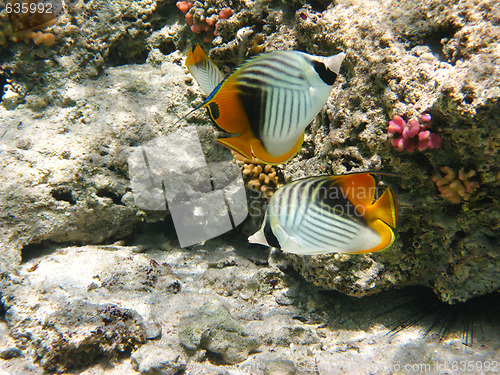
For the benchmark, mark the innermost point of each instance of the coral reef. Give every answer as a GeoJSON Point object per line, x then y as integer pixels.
{"type": "Point", "coordinates": [259, 176]}
{"type": "Point", "coordinates": [455, 187]}
{"type": "Point", "coordinates": [114, 81]}
{"type": "Point", "coordinates": [414, 134]}
{"type": "Point", "coordinates": [401, 69]}
{"type": "Point", "coordinates": [203, 17]}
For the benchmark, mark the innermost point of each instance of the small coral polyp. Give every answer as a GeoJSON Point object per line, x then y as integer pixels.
{"type": "Point", "coordinates": [413, 135]}
{"type": "Point", "coordinates": [203, 19]}
{"type": "Point", "coordinates": [259, 176]}
{"type": "Point", "coordinates": [455, 188]}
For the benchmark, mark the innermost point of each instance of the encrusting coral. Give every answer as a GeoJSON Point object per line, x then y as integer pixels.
{"type": "Point", "coordinates": [202, 18]}
{"type": "Point", "coordinates": [455, 188]}
{"type": "Point", "coordinates": [414, 134]}
{"type": "Point", "coordinates": [261, 177]}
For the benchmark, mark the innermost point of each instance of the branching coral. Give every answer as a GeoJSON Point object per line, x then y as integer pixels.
{"type": "Point", "coordinates": [202, 18]}
{"type": "Point", "coordinates": [455, 188]}
{"type": "Point", "coordinates": [414, 134]}
{"type": "Point", "coordinates": [260, 177]}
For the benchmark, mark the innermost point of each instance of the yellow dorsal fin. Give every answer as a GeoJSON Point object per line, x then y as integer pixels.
{"type": "Point", "coordinates": [195, 56]}
{"type": "Point", "coordinates": [358, 188]}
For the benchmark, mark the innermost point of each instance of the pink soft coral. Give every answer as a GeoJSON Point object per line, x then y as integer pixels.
{"type": "Point", "coordinates": [414, 134]}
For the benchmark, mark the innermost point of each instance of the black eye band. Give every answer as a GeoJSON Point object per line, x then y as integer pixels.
{"type": "Point", "coordinates": [324, 73]}
{"type": "Point", "coordinates": [269, 235]}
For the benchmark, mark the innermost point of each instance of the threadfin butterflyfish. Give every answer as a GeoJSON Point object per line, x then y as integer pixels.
{"type": "Point", "coordinates": [268, 102]}
{"type": "Point", "coordinates": [329, 214]}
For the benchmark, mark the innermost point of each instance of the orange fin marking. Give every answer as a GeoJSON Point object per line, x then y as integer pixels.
{"type": "Point", "coordinates": [387, 237]}
{"type": "Point", "coordinates": [358, 188]}
{"type": "Point", "coordinates": [231, 116]}
{"type": "Point", "coordinates": [260, 152]}
{"type": "Point", "coordinates": [385, 209]}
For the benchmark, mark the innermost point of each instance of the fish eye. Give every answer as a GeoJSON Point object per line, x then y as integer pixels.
{"type": "Point", "coordinates": [324, 72]}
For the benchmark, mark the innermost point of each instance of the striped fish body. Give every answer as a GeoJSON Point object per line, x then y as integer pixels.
{"type": "Point", "coordinates": [321, 215]}
{"type": "Point", "coordinates": [269, 101]}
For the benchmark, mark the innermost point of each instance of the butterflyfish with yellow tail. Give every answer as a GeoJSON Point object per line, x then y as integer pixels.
{"type": "Point", "coordinates": [268, 102]}
{"type": "Point", "coordinates": [329, 214]}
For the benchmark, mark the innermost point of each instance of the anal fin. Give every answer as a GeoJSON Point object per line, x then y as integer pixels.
{"type": "Point", "coordinates": [264, 156]}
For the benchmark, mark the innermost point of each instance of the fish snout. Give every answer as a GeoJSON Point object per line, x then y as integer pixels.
{"type": "Point", "coordinates": [334, 62]}
{"type": "Point", "coordinates": [258, 238]}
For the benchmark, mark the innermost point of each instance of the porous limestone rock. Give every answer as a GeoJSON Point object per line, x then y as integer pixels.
{"type": "Point", "coordinates": [64, 172]}
{"type": "Point", "coordinates": [214, 330]}
{"type": "Point", "coordinates": [68, 309]}
{"type": "Point", "coordinates": [151, 360]}
{"type": "Point", "coordinates": [93, 309]}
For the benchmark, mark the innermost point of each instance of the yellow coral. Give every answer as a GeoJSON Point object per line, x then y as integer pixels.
{"type": "Point", "coordinates": [260, 177]}
{"type": "Point", "coordinates": [47, 39]}
{"type": "Point", "coordinates": [455, 188]}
